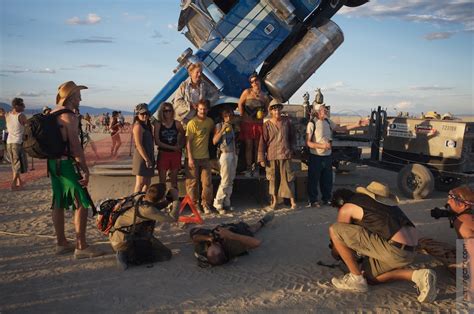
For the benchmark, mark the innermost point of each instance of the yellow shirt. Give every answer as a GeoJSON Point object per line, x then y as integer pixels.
{"type": "Point", "coordinates": [200, 130]}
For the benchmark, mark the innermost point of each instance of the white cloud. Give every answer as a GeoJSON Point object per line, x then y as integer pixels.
{"type": "Point", "coordinates": [430, 87]}
{"type": "Point", "coordinates": [92, 66]}
{"type": "Point", "coordinates": [454, 13]}
{"type": "Point", "coordinates": [91, 19]}
{"type": "Point", "coordinates": [45, 71]}
{"type": "Point", "coordinates": [438, 35]}
{"type": "Point", "coordinates": [403, 105]}
{"type": "Point", "coordinates": [30, 94]}
{"type": "Point", "coordinates": [173, 26]}
{"type": "Point", "coordinates": [334, 86]}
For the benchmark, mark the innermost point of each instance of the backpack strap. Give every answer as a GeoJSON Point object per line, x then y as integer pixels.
{"type": "Point", "coordinates": [135, 214]}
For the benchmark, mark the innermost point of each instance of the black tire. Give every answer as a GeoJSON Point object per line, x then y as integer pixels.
{"type": "Point", "coordinates": [446, 183]}
{"type": "Point", "coordinates": [415, 181]}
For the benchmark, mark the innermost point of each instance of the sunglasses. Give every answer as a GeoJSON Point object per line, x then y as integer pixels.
{"type": "Point", "coordinates": [144, 113]}
{"type": "Point", "coordinates": [167, 110]}
{"type": "Point", "coordinates": [277, 108]}
{"type": "Point", "coordinates": [253, 81]}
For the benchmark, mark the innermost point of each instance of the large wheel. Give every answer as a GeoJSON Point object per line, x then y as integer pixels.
{"type": "Point", "coordinates": [415, 181]}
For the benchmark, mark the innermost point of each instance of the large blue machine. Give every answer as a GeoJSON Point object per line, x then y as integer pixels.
{"type": "Point", "coordinates": [284, 40]}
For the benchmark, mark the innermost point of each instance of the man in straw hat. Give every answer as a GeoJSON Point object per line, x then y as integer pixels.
{"type": "Point", "coordinates": [68, 186]}
{"type": "Point", "coordinates": [370, 223]}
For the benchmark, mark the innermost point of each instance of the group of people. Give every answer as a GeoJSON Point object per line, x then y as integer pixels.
{"type": "Point", "coordinates": [368, 225]}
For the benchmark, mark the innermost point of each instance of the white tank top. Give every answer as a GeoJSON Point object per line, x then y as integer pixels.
{"type": "Point", "coordinates": [15, 129]}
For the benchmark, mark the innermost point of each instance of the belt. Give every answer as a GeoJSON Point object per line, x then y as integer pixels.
{"type": "Point", "coordinates": [401, 246]}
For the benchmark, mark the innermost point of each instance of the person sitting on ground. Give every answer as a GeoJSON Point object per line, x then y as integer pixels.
{"type": "Point", "coordinates": [150, 210]}
{"type": "Point", "coordinates": [225, 242]}
{"type": "Point", "coordinates": [370, 223]}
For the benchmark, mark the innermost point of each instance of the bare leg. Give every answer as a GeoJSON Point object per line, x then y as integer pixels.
{"type": "Point", "coordinates": [146, 183]}
{"type": "Point", "coordinates": [347, 254]}
{"type": "Point", "coordinates": [293, 202]}
{"type": "Point", "coordinates": [174, 178]}
{"type": "Point", "coordinates": [138, 184]}
{"type": "Point", "coordinates": [162, 175]}
{"type": "Point", "coordinates": [80, 224]}
{"type": "Point", "coordinates": [58, 223]}
{"type": "Point", "coordinates": [394, 275]}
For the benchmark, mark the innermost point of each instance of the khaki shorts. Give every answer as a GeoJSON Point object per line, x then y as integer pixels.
{"type": "Point", "coordinates": [381, 256]}
{"type": "Point", "coordinates": [17, 158]}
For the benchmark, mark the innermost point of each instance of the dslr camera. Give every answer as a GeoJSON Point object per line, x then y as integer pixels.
{"type": "Point", "coordinates": [438, 213]}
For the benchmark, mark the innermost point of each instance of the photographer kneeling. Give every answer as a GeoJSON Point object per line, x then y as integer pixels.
{"type": "Point", "coordinates": [219, 245]}
{"type": "Point", "coordinates": [132, 234]}
{"type": "Point", "coordinates": [370, 223]}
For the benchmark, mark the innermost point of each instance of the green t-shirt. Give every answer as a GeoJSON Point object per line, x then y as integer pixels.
{"type": "Point", "coordinates": [200, 130]}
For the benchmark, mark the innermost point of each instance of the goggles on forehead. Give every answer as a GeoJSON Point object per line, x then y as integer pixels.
{"type": "Point", "coordinates": [458, 199]}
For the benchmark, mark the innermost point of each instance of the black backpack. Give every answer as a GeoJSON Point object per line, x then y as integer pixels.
{"type": "Point", "coordinates": [43, 137]}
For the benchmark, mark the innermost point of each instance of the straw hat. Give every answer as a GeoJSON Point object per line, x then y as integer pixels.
{"type": "Point", "coordinates": [379, 192]}
{"type": "Point", "coordinates": [67, 89]}
{"type": "Point", "coordinates": [275, 103]}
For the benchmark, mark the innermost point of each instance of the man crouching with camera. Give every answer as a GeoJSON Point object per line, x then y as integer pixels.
{"type": "Point", "coordinates": [132, 234]}
{"type": "Point", "coordinates": [370, 223]}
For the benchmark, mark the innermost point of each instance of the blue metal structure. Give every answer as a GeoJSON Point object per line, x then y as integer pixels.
{"type": "Point", "coordinates": [236, 37]}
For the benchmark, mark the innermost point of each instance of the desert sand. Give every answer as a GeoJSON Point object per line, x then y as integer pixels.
{"type": "Point", "coordinates": [280, 276]}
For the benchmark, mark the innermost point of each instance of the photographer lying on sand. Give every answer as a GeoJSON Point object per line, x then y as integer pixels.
{"type": "Point", "coordinates": [370, 223]}
{"type": "Point", "coordinates": [225, 242]}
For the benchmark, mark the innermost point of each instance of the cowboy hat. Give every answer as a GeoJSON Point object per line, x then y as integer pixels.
{"type": "Point", "coordinates": [67, 89]}
{"type": "Point", "coordinates": [275, 103]}
{"type": "Point", "coordinates": [432, 115]}
{"type": "Point", "coordinates": [379, 192]}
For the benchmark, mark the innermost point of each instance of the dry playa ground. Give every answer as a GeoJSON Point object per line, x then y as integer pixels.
{"type": "Point", "coordinates": [280, 276]}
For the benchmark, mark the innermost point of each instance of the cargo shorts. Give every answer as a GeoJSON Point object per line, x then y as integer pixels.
{"type": "Point", "coordinates": [379, 255]}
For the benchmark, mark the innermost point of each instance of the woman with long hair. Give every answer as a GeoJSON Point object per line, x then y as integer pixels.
{"type": "Point", "coordinates": [253, 107]}
{"type": "Point", "coordinates": [169, 137]}
{"type": "Point", "coordinates": [114, 128]}
{"type": "Point", "coordinates": [143, 157]}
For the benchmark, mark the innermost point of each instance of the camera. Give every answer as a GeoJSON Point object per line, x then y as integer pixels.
{"type": "Point", "coordinates": [438, 213]}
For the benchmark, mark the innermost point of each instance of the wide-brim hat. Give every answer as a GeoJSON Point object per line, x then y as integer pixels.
{"type": "Point", "coordinates": [379, 192]}
{"type": "Point", "coordinates": [275, 103]}
{"type": "Point", "coordinates": [67, 89]}
{"type": "Point", "coordinates": [432, 115]}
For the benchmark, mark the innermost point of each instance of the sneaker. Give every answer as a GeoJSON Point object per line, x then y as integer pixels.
{"type": "Point", "coordinates": [64, 249]}
{"type": "Point", "coordinates": [351, 282]}
{"type": "Point", "coordinates": [326, 203]}
{"type": "Point", "coordinates": [88, 252]}
{"type": "Point", "coordinates": [267, 218]}
{"type": "Point", "coordinates": [121, 258]}
{"type": "Point", "coordinates": [313, 205]}
{"type": "Point", "coordinates": [425, 280]}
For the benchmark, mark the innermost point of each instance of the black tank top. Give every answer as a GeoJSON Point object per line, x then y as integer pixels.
{"type": "Point", "coordinates": [168, 136]}
{"type": "Point", "coordinates": [379, 218]}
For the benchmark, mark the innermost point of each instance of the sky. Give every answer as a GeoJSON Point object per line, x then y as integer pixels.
{"type": "Point", "coordinates": [403, 55]}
